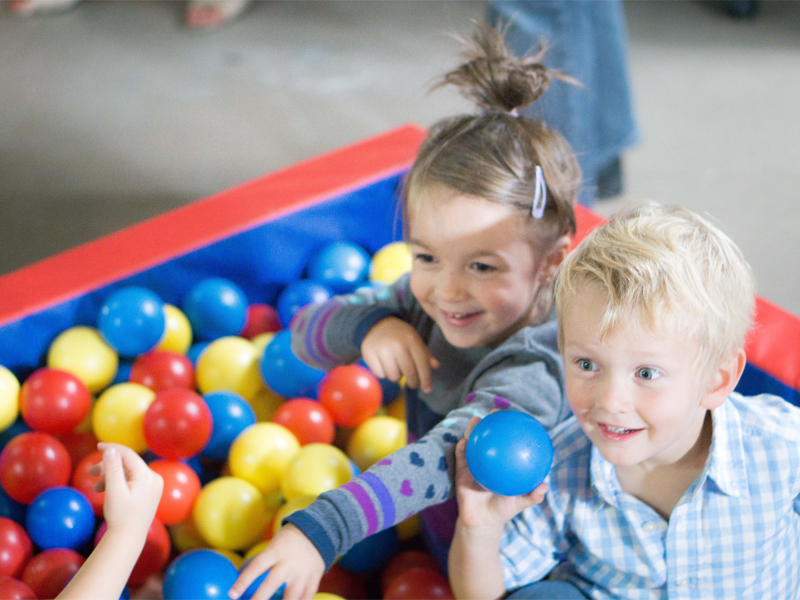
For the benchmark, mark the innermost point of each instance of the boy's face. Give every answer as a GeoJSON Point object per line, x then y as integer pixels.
{"type": "Point", "coordinates": [637, 394]}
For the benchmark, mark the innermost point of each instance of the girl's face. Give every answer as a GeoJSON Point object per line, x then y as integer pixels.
{"type": "Point", "coordinates": [475, 271]}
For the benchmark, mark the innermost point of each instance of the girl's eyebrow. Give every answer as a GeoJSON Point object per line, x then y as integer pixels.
{"type": "Point", "coordinates": [416, 242]}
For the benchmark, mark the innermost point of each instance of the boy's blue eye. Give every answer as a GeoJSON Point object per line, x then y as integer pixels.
{"type": "Point", "coordinates": [584, 364]}
{"type": "Point", "coordinates": [648, 373]}
{"type": "Point", "coordinates": [483, 267]}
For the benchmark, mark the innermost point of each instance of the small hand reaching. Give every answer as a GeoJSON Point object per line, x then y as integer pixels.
{"type": "Point", "coordinates": [291, 558]}
{"type": "Point", "coordinates": [392, 349]}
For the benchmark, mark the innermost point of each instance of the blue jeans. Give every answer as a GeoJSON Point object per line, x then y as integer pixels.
{"type": "Point", "coordinates": [548, 590]}
{"type": "Point", "coordinates": [587, 40]}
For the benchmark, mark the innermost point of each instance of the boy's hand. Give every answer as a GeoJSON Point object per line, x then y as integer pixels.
{"type": "Point", "coordinates": [291, 558]}
{"type": "Point", "coordinates": [479, 508]}
{"type": "Point", "coordinates": [392, 349]}
{"type": "Point", "coordinates": [133, 490]}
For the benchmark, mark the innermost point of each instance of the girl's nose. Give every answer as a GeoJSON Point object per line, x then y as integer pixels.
{"type": "Point", "coordinates": [451, 287]}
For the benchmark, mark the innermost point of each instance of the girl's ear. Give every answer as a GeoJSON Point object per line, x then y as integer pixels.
{"type": "Point", "coordinates": [554, 259]}
{"type": "Point", "coordinates": [725, 379]}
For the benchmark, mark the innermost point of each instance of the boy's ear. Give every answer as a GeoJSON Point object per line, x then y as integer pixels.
{"type": "Point", "coordinates": [725, 379]}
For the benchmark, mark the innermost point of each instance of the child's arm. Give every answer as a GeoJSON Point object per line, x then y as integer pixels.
{"type": "Point", "coordinates": [133, 492]}
{"type": "Point", "coordinates": [474, 565]}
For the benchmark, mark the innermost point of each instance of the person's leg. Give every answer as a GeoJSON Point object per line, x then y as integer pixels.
{"type": "Point", "coordinates": [547, 590]}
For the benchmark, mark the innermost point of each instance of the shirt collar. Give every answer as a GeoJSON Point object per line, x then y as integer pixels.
{"type": "Point", "coordinates": [725, 465]}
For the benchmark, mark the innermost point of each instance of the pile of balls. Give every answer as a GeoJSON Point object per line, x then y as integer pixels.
{"type": "Point", "coordinates": [242, 432]}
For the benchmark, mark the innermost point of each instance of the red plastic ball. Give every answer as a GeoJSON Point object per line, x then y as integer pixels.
{"type": "Point", "coordinates": [16, 548]}
{"type": "Point", "coordinates": [154, 556]}
{"type": "Point", "coordinates": [49, 572]}
{"type": "Point", "coordinates": [83, 481]}
{"type": "Point", "coordinates": [177, 424]}
{"type": "Point", "coordinates": [307, 419]}
{"type": "Point", "coordinates": [54, 401]}
{"type": "Point", "coordinates": [261, 318]}
{"type": "Point", "coordinates": [403, 561]}
{"type": "Point", "coordinates": [181, 487]}
{"type": "Point", "coordinates": [31, 463]}
{"type": "Point", "coordinates": [343, 583]}
{"type": "Point", "coordinates": [351, 394]}
{"type": "Point", "coordinates": [79, 444]}
{"type": "Point", "coordinates": [162, 370]}
{"type": "Point", "coordinates": [419, 582]}
{"type": "Point", "coordinates": [14, 589]}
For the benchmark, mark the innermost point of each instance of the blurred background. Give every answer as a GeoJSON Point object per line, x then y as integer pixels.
{"type": "Point", "coordinates": [113, 112]}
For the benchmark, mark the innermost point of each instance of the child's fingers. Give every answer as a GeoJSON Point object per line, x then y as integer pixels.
{"type": "Point", "coordinates": [421, 358]}
{"type": "Point", "coordinates": [471, 425]}
{"type": "Point", "coordinates": [260, 563]}
{"type": "Point", "coordinates": [114, 472]}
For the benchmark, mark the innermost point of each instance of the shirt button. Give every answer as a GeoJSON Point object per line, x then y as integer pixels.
{"type": "Point", "coordinates": [650, 527]}
{"type": "Point", "coordinates": [683, 582]}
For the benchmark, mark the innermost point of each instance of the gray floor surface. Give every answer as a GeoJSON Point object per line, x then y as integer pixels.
{"type": "Point", "coordinates": [112, 112]}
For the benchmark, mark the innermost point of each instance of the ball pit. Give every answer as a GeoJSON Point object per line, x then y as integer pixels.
{"type": "Point", "coordinates": [216, 307]}
{"type": "Point", "coordinates": [60, 517]}
{"type": "Point", "coordinates": [132, 320]}
{"type": "Point", "coordinates": [83, 352]}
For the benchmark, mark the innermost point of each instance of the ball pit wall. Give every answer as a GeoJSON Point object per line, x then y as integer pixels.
{"type": "Point", "coordinates": [260, 235]}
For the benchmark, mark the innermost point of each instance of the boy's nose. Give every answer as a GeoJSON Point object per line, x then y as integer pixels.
{"type": "Point", "coordinates": [451, 288]}
{"type": "Point", "coordinates": [612, 397]}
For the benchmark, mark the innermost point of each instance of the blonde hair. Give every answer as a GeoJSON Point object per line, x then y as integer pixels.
{"type": "Point", "coordinates": [494, 155]}
{"type": "Point", "coordinates": [669, 269]}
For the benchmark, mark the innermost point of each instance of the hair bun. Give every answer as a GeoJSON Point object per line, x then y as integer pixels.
{"type": "Point", "coordinates": [493, 77]}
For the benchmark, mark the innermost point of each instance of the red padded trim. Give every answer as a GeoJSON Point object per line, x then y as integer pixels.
{"type": "Point", "coordinates": [157, 240]}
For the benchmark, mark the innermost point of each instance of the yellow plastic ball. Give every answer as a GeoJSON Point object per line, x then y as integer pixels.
{"type": "Point", "coordinates": [118, 415]}
{"type": "Point", "coordinates": [83, 352]}
{"type": "Point", "coordinates": [376, 438]}
{"type": "Point", "coordinates": [298, 503]}
{"type": "Point", "coordinates": [9, 398]}
{"type": "Point", "coordinates": [315, 469]}
{"type": "Point", "coordinates": [390, 262]}
{"type": "Point", "coordinates": [262, 339]}
{"type": "Point", "coordinates": [326, 596]}
{"type": "Point", "coordinates": [256, 549]}
{"type": "Point", "coordinates": [265, 404]}
{"type": "Point", "coordinates": [236, 558]}
{"type": "Point", "coordinates": [397, 408]}
{"type": "Point", "coordinates": [229, 363]}
{"type": "Point", "coordinates": [178, 332]}
{"type": "Point", "coordinates": [260, 454]}
{"type": "Point", "coordinates": [185, 536]}
{"type": "Point", "coordinates": [410, 528]}
{"type": "Point", "coordinates": [230, 513]}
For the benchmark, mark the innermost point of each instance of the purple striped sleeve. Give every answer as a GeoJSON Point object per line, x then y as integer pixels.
{"type": "Point", "coordinates": [384, 497]}
{"type": "Point", "coordinates": [364, 501]}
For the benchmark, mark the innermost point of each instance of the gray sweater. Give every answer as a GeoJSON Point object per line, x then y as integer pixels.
{"type": "Point", "coordinates": [525, 372]}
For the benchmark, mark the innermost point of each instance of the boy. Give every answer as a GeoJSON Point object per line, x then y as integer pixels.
{"type": "Point", "coordinates": [665, 483]}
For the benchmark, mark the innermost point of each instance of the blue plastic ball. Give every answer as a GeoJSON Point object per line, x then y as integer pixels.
{"type": "Point", "coordinates": [296, 295]}
{"type": "Point", "coordinates": [199, 575]}
{"type": "Point", "coordinates": [132, 320]}
{"type": "Point", "coordinates": [253, 587]}
{"type": "Point", "coordinates": [195, 350]}
{"type": "Point", "coordinates": [283, 372]}
{"type": "Point", "coordinates": [372, 552]}
{"type": "Point", "coordinates": [231, 414]}
{"type": "Point", "coordinates": [509, 453]}
{"type": "Point", "coordinates": [216, 307]}
{"type": "Point", "coordinates": [123, 372]}
{"type": "Point", "coordinates": [60, 517]}
{"type": "Point", "coordinates": [342, 266]}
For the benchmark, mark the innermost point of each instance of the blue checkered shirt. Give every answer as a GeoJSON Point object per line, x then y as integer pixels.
{"type": "Point", "coordinates": [735, 533]}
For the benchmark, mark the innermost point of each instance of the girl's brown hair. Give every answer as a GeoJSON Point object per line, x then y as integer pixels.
{"type": "Point", "coordinates": [494, 154]}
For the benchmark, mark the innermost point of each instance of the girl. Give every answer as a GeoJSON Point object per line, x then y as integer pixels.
{"type": "Point", "coordinates": [488, 207]}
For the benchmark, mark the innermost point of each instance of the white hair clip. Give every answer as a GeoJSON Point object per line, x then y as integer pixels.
{"type": "Point", "coordinates": [513, 113]}
{"type": "Point", "coordinates": [540, 195]}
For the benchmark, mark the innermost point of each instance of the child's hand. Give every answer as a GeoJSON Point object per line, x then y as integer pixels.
{"type": "Point", "coordinates": [393, 348]}
{"type": "Point", "coordinates": [133, 490]}
{"type": "Point", "coordinates": [291, 558]}
{"type": "Point", "coordinates": [479, 508]}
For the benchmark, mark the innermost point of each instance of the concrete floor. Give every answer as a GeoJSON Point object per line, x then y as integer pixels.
{"type": "Point", "coordinates": [113, 112]}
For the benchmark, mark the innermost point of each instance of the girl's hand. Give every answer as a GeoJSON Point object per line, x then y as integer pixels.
{"type": "Point", "coordinates": [479, 508]}
{"type": "Point", "coordinates": [291, 558]}
{"type": "Point", "coordinates": [133, 490]}
{"type": "Point", "coordinates": [393, 349]}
